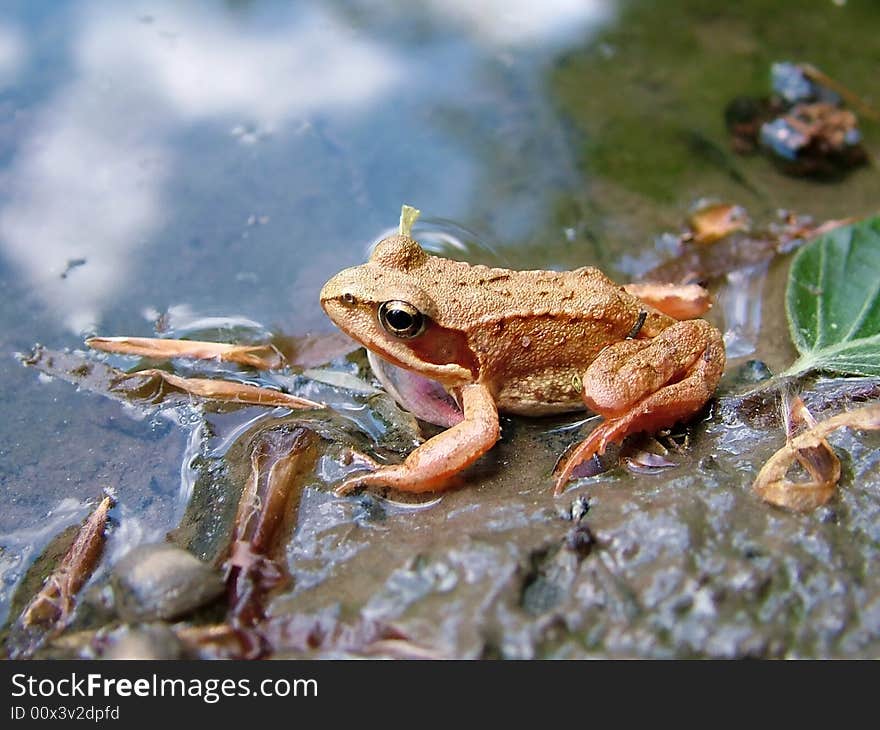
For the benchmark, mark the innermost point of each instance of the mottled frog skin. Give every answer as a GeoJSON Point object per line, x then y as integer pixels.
{"type": "Point", "coordinates": [522, 342]}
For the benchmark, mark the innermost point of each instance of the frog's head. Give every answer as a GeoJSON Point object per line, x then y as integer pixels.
{"type": "Point", "coordinates": [386, 306]}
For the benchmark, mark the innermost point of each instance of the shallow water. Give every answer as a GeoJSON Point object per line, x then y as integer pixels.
{"type": "Point", "coordinates": [223, 160]}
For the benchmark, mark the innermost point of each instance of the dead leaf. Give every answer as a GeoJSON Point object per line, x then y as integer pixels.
{"type": "Point", "coordinates": [401, 649]}
{"type": "Point", "coordinates": [680, 301]}
{"type": "Point", "coordinates": [221, 641]}
{"type": "Point", "coordinates": [712, 222]}
{"type": "Point", "coordinates": [323, 632]}
{"type": "Point", "coordinates": [815, 455]}
{"type": "Point", "coordinates": [278, 459]}
{"type": "Point", "coordinates": [313, 635]}
{"type": "Point", "coordinates": [98, 377]}
{"type": "Point", "coordinates": [737, 250]}
{"type": "Point", "coordinates": [54, 602]}
{"type": "Point", "coordinates": [226, 390]}
{"type": "Point", "coordinates": [645, 462]}
{"type": "Point", "coordinates": [261, 357]}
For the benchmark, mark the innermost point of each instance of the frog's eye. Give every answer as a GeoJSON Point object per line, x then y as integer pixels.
{"type": "Point", "coordinates": [401, 319]}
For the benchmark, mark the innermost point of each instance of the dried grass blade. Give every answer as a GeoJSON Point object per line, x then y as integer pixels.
{"type": "Point", "coordinates": [227, 390]}
{"type": "Point", "coordinates": [261, 357]}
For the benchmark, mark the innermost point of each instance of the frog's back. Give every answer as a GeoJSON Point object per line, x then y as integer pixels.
{"type": "Point", "coordinates": [466, 293]}
{"type": "Point", "coordinates": [485, 293]}
{"type": "Point", "coordinates": [533, 333]}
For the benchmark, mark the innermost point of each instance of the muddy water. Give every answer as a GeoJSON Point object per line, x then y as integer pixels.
{"type": "Point", "coordinates": [206, 168]}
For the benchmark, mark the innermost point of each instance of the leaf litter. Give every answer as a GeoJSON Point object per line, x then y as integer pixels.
{"type": "Point", "coordinates": [814, 454]}
{"type": "Point", "coordinates": [833, 310]}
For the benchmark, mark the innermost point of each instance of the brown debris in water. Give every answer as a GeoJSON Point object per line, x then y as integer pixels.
{"type": "Point", "coordinates": [145, 386]}
{"type": "Point", "coordinates": [845, 93]}
{"type": "Point", "coordinates": [712, 222]}
{"type": "Point", "coordinates": [50, 610]}
{"type": "Point", "coordinates": [226, 391]}
{"type": "Point", "coordinates": [646, 462]}
{"type": "Point", "coordinates": [260, 357]}
{"type": "Point", "coordinates": [813, 452]}
{"type": "Point", "coordinates": [803, 125]}
{"type": "Point", "coordinates": [681, 301]}
{"type": "Point", "coordinates": [302, 635]}
{"type": "Point", "coordinates": [54, 603]}
{"type": "Point", "coordinates": [306, 351]}
{"type": "Point", "coordinates": [279, 460]}
{"type": "Point", "coordinates": [738, 248]}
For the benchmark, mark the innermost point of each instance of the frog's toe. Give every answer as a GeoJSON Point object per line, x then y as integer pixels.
{"type": "Point", "coordinates": [592, 446]}
{"type": "Point", "coordinates": [347, 487]}
{"type": "Point", "coordinates": [371, 478]}
{"type": "Point", "coordinates": [356, 481]}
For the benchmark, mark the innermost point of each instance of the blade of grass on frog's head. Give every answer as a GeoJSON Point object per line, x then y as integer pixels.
{"type": "Point", "coordinates": [408, 217]}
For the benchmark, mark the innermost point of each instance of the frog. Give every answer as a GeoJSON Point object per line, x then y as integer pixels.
{"type": "Point", "coordinates": [521, 343]}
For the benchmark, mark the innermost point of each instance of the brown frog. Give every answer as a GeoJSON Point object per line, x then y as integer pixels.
{"type": "Point", "coordinates": [522, 342]}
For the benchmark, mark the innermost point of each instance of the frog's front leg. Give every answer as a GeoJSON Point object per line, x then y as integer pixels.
{"type": "Point", "coordinates": [646, 385]}
{"type": "Point", "coordinates": [429, 467]}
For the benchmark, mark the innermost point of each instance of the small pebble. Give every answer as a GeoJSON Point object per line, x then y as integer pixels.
{"type": "Point", "coordinates": [162, 581]}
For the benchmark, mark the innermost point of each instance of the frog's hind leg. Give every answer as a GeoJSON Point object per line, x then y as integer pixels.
{"type": "Point", "coordinates": [646, 385]}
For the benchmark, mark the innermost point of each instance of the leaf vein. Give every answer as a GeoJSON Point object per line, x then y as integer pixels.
{"type": "Point", "coordinates": [836, 275]}
{"type": "Point", "coordinates": [863, 313]}
{"type": "Point", "coordinates": [820, 295]}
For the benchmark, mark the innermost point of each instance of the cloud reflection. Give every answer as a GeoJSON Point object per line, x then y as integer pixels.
{"type": "Point", "coordinates": [12, 53]}
{"type": "Point", "coordinates": [524, 22]}
{"type": "Point", "coordinates": [88, 181]}
{"type": "Point", "coordinates": [201, 68]}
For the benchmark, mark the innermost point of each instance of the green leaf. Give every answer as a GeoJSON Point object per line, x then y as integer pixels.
{"type": "Point", "coordinates": [833, 301]}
